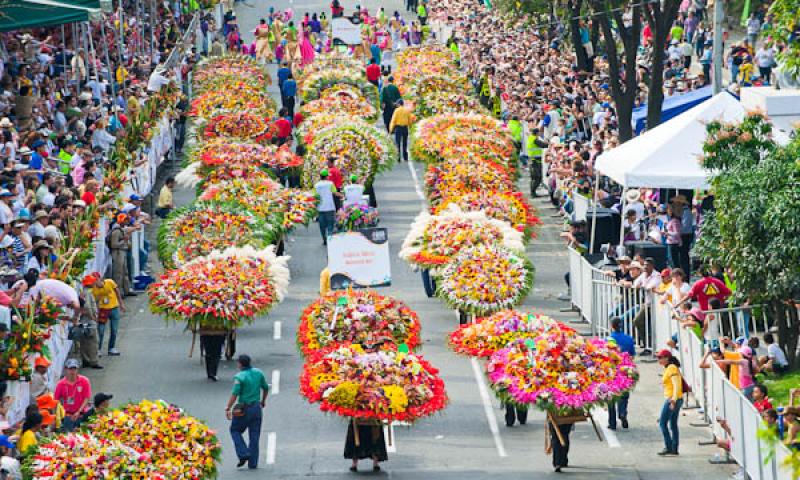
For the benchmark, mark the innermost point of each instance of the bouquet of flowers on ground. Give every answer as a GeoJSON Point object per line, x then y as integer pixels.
{"type": "Point", "coordinates": [484, 279]}
{"type": "Point", "coordinates": [434, 240]}
{"type": "Point", "coordinates": [84, 455]}
{"type": "Point", "coordinates": [179, 446]}
{"type": "Point", "coordinates": [197, 230]}
{"type": "Point", "coordinates": [499, 330]}
{"type": "Point", "coordinates": [355, 217]}
{"type": "Point", "coordinates": [222, 290]}
{"type": "Point", "coordinates": [363, 150]}
{"type": "Point", "coordinates": [342, 99]}
{"type": "Point", "coordinates": [455, 177]}
{"type": "Point", "coordinates": [508, 207]}
{"type": "Point", "coordinates": [301, 207]}
{"type": "Point", "coordinates": [384, 385]}
{"type": "Point", "coordinates": [561, 372]}
{"type": "Point", "coordinates": [462, 136]}
{"type": "Point", "coordinates": [242, 125]}
{"type": "Point", "coordinates": [235, 97]}
{"type": "Point", "coordinates": [262, 196]}
{"type": "Point", "coordinates": [357, 316]}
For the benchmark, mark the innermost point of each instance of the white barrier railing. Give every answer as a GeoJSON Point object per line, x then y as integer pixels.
{"type": "Point", "coordinates": [580, 284]}
{"type": "Point", "coordinates": [610, 299]}
{"type": "Point", "coordinates": [580, 205]}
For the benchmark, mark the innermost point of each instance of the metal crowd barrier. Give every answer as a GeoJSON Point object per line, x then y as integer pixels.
{"type": "Point", "coordinates": [581, 205]}
{"type": "Point", "coordinates": [613, 300]}
{"type": "Point", "coordinates": [580, 282]}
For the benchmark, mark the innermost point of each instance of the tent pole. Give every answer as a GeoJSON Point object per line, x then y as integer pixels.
{"type": "Point", "coordinates": [64, 53]}
{"type": "Point", "coordinates": [112, 77]}
{"type": "Point", "coordinates": [594, 210]}
{"type": "Point", "coordinates": [92, 51]}
{"type": "Point", "coordinates": [154, 14]}
{"type": "Point", "coordinates": [622, 217]}
{"type": "Point", "coordinates": [85, 35]}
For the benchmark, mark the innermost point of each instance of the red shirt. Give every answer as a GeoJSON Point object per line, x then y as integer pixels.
{"type": "Point", "coordinates": [707, 288]}
{"type": "Point", "coordinates": [373, 72]}
{"type": "Point", "coordinates": [88, 197]}
{"type": "Point", "coordinates": [73, 395]}
{"type": "Point", "coordinates": [298, 119]}
{"type": "Point", "coordinates": [335, 176]}
{"type": "Point", "coordinates": [284, 127]}
{"type": "Point", "coordinates": [762, 405]}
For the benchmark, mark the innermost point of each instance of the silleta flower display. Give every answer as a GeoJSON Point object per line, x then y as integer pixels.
{"type": "Point", "coordinates": [242, 125]}
{"type": "Point", "coordinates": [490, 334]}
{"type": "Point", "coordinates": [455, 177]}
{"type": "Point", "coordinates": [508, 206]}
{"type": "Point", "coordinates": [356, 217]}
{"type": "Point", "coordinates": [357, 316]}
{"type": "Point", "coordinates": [235, 97]}
{"type": "Point", "coordinates": [384, 385]}
{"type": "Point", "coordinates": [342, 100]}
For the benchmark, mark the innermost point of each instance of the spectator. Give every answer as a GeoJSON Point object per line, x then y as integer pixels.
{"type": "Point", "coordinates": [109, 308]}
{"type": "Point", "coordinates": [672, 382]}
{"type": "Point", "coordinates": [29, 433]}
{"type": "Point", "coordinates": [775, 361]}
{"type": "Point", "coordinates": [40, 378]}
{"type": "Point", "coordinates": [704, 289]}
{"type": "Point", "coordinates": [626, 344]}
{"type": "Point", "coordinates": [760, 398]}
{"type": "Point", "coordinates": [74, 392]}
{"type": "Point", "coordinates": [165, 201]}
{"type": "Point", "coordinates": [10, 467]}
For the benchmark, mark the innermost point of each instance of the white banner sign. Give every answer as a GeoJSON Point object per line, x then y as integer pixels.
{"type": "Point", "coordinates": [346, 31]}
{"type": "Point", "coordinates": [359, 259]}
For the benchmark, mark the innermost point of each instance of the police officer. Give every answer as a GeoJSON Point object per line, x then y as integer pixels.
{"type": "Point", "coordinates": [534, 148]}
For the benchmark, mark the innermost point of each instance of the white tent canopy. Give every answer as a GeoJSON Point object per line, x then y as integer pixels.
{"type": "Point", "coordinates": [668, 156]}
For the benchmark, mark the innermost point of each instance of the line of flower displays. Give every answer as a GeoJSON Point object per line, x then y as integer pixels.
{"type": "Point", "coordinates": [358, 345]}
{"type": "Point", "coordinates": [473, 244]}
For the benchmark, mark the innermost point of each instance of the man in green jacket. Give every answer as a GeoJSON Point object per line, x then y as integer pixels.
{"type": "Point", "coordinates": [389, 97]}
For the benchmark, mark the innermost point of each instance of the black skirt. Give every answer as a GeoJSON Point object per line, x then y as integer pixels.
{"type": "Point", "coordinates": [372, 444]}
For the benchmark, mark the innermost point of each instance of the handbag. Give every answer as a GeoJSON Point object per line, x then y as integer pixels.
{"type": "Point", "coordinates": [238, 410]}
{"type": "Point", "coordinates": [77, 332]}
{"type": "Point", "coordinates": [103, 314]}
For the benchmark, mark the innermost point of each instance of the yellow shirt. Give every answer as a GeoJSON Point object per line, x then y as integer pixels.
{"type": "Point", "coordinates": [733, 369]}
{"type": "Point", "coordinates": [165, 197]}
{"type": "Point", "coordinates": [673, 387]}
{"type": "Point", "coordinates": [402, 117]}
{"type": "Point", "coordinates": [106, 295]}
{"type": "Point", "coordinates": [26, 441]}
{"type": "Point", "coordinates": [324, 281]}
{"type": "Point", "coordinates": [122, 74]}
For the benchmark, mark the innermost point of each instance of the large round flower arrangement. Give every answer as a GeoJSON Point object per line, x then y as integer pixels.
{"type": "Point", "coordinates": [509, 207]}
{"type": "Point", "coordinates": [358, 316]}
{"type": "Point", "coordinates": [489, 334]}
{"type": "Point", "coordinates": [225, 152]}
{"type": "Point", "coordinates": [458, 176]}
{"type": "Point", "coordinates": [462, 135]}
{"type": "Point", "coordinates": [484, 279]}
{"type": "Point", "coordinates": [434, 240]}
{"type": "Point", "coordinates": [194, 231]}
{"type": "Point", "coordinates": [415, 62]}
{"type": "Point", "coordinates": [342, 99]}
{"type": "Point", "coordinates": [424, 85]}
{"type": "Point", "coordinates": [215, 73]}
{"type": "Point", "coordinates": [242, 125]}
{"type": "Point", "coordinates": [315, 84]}
{"type": "Point", "coordinates": [438, 103]}
{"type": "Point", "coordinates": [235, 97]}
{"type": "Point", "coordinates": [179, 446]}
{"type": "Point", "coordinates": [331, 61]}
{"type": "Point", "coordinates": [261, 195]}
{"type": "Point", "coordinates": [561, 372]}
{"type": "Point", "coordinates": [384, 385]}
{"type": "Point", "coordinates": [313, 125]}
{"type": "Point", "coordinates": [363, 150]}
{"type": "Point", "coordinates": [301, 207]}
{"type": "Point", "coordinates": [222, 290]}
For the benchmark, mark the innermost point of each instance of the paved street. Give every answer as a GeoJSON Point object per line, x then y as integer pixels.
{"type": "Point", "coordinates": [469, 440]}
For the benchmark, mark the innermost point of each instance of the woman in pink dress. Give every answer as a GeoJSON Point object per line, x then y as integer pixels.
{"type": "Point", "coordinates": [306, 49]}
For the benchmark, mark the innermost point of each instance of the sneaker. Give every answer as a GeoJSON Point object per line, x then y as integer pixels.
{"type": "Point", "coordinates": [610, 427]}
{"type": "Point", "coordinates": [665, 453]}
{"type": "Point", "coordinates": [624, 423]}
{"type": "Point", "coordinates": [113, 352]}
{"type": "Point", "coordinates": [565, 297]}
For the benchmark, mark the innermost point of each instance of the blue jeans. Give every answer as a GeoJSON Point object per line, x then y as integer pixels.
{"type": "Point", "coordinates": [250, 421]}
{"type": "Point", "coordinates": [113, 321]}
{"type": "Point", "coordinates": [669, 422]}
{"type": "Point", "coordinates": [618, 407]}
{"type": "Point", "coordinates": [326, 222]}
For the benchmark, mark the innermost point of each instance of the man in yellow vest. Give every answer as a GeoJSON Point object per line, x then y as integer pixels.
{"type": "Point", "coordinates": [534, 148]}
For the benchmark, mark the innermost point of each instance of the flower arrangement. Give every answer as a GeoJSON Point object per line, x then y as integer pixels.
{"type": "Point", "coordinates": [356, 217]}
{"type": "Point", "coordinates": [490, 334]}
{"type": "Point", "coordinates": [222, 290]}
{"type": "Point", "coordinates": [213, 73]}
{"type": "Point", "coordinates": [262, 196]}
{"type": "Point", "coordinates": [197, 230]}
{"type": "Point", "coordinates": [449, 81]}
{"type": "Point", "coordinates": [224, 152]}
{"type": "Point", "coordinates": [484, 279]}
{"type": "Point", "coordinates": [314, 85]}
{"type": "Point", "coordinates": [455, 177]}
{"type": "Point", "coordinates": [330, 61]}
{"type": "Point", "coordinates": [414, 62]}
{"type": "Point", "coordinates": [342, 99]}
{"type": "Point", "coordinates": [385, 385]}
{"type": "Point", "coordinates": [235, 97]}
{"type": "Point", "coordinates": [179, 446]}
{"type": "Point", "coordinates": [357, 316]}
{"type": "Point", "coordinates": [317, 123]}
{"type": "Point", "coordinates": [462, 135]}
{"type": "Point", "coordinates": [242, 125]}
{"type": "Point", "coordinates": [84, 455]}
{"type": "Point", "coordinates": [363, 150]}
{"type": "Point", "coordinates": [445, 102]}
{"type": "Point", "coordinates": [301, 207]}
{"type": "Point", "coordinates": [434, 240]}
{"type": "Point", "coordinates": [561, 372]}
{"type": "Point", "coordinates": [28, 336]}
{"type": "Point", "coordinates": [508, 207]}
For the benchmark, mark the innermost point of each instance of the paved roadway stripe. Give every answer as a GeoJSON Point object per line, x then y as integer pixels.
{"type": "Point", "coordinates": [275, 386]}
{"type": "Point", "coordinates": [388, 432]}
{"type": "Point", "coordinates": [276, 330]}
{"type": "Point", "coordinates": [272, 440]}
{"type": "Point", "coordinates": [601, 415]}
{"type": "Point", "coordinates": [487, 408]}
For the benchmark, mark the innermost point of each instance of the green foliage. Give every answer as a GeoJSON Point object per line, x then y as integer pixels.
{"type": "Point", "coordinates": [769, 437]}
{"type": "Point", "coordinates": [779, 386]}
{"type": "Point", "coordinates": [784, 22]}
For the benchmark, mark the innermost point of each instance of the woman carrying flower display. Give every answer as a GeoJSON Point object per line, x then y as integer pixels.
{"type": "Point", "coordinates": [371, 444]}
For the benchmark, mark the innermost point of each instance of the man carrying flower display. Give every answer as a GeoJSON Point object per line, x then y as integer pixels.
{"type": "Point", "coordinates": [244, 409]}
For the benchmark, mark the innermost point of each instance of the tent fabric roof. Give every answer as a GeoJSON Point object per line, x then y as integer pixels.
{"type": "Point", "coordinates": [19, 14]}
{"type": "Point", "coordinates": [668, 156]}
{"type": "Point", "coordinates": [672, 106]}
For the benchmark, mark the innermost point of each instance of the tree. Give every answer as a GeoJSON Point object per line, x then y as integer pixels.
{"type": "Point", "coordinates": [660, 16]}
{"type": "Point", "coordinates": [755, 229]}
{"type": "Point", "coordinates": [785, 30]}
{"type": "Point", "coordinates": [622, 71]}
{"type": "Point", "coordinates": [574, 10]}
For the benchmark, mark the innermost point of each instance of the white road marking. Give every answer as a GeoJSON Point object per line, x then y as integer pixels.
{"type": "Point", "coordinates": [487, 408]}
{"type": "Point", "coordinates": [601, 415]}
{"type": "Point", "coordinates": [390, 447]}
{"type": "Point", "coordinates": [275, 386]}
{"type": "Point", "coordinates": [417, 188]}
{"type": "Point", "coordinates": [276, 330]}
{"type": "Point", "coordinates": [272, 441]}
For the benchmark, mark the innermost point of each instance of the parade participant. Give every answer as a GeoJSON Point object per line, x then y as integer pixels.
{"type": "Point", "coordinates": [165, 200]}
{"type": "Point", "coordinates": [244, 409]}
{"type": "Point", "coordinates": [327, 207]}
{"type": "Point", "coordinates": [109, 309]}
{"type": "Point", "coordinates": [74, 392]}
{"type": "Point", "coordinates": [560, 451]}
{"type": "Point", "coordinates": [29, 433]}
{"type": "Point", "coordinates": [402, 118]}
{"type": "Point", "coordinates": [371, 444]}
{"type": "Point", "coordinates": [390, 94]}
{"type": "Point", "coordinates": [373, 72]}
{"type": "Point", "coordinates": [353, 192]}
{"type": "Point", "coordinates": [307, 53]}
{"type": "Point", "coordinates": [264, 52]}
{"type": "Point", "coordinates": [626, 344]}
{"type": "Point", "coordinates": [288, 93]}
{"type": "Point", "coordinates": [211, 343]}
{"type": "Point", "coordinates": [514, 413]}
{"type": "Point", "coordinates": [673, 393]}
{"type": "Point", "coordinates": [119, 242]}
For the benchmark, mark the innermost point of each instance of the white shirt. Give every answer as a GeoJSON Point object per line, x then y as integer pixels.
{"type": "Point", "coordinates": [647, 281]}
{"type": "Point", "coordinates": [11, 467]}
{"type": "Point", "coordinates": [353, 194]}
{"type": "Point", "coordinates": [676, 294]}
{"type": "Point", "coordinates": [775, 352]}
{"type": "Point", "coordinates": [712, 332]}
{"type": "Point", "coordinates": [325, 190]}
{"type": "Point", "coordinates": [6, 215]}
{"type": "Point", "coordinates": [156, 81]}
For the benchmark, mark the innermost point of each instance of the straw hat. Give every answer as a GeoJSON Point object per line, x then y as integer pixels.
{"type": "Point", "coordinates": [632, 196]}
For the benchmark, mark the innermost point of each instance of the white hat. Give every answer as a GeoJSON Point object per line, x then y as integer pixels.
{"type": "Point", "coordinates": [6, 241]}
{"type": "Point", "coordinates": [633, 195]}
{"type": "Point", "coordinates": [6, 123]}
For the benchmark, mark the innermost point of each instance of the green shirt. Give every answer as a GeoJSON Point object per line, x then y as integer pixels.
{"type": "Point", "coordinates": [390, 95]}
{"type": "Point", "coordinates": [515, 128]}
{"type": "Point", "coordinates": [247, 385]}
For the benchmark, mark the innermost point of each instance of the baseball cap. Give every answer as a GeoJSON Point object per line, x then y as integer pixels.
{"type": "Point", "coordinates": [323, 173]}
{"type": "Point", "coordinates": [666, 273]}
{"type": "Point", "coordinates": [102, 397]}
{"type": "Point", "coordinates": [72, 363]}
{"type": "Point", "coordinates": [664, 354]}
{"type": "Point", "coordinates": [6, 193]}
{"type": "Point", "coordinates": [134, 198]}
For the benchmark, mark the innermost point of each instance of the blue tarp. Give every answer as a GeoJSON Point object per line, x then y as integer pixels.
{"type": "Point", "coordinates": [672, 107]}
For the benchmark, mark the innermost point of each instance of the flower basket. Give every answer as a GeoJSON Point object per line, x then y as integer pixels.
{"type": "Point", "coordinates": [490, 334]}
{"type": "Point", "coordinates": [509, 206]}
{"type": "Point", "coordinates": [355, 217]}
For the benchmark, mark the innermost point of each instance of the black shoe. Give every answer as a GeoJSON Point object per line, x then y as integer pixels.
{"type": "Point", "coordinates": [213, 378]}
{"type": "Point", "coordinates": [674, 452]}
{"type": "Point", "coordinates": [241, 463]}
{"type": "Point", "coordinates": [353, 469]}
{"type": "Point", "coordinates": [557, 469]}
{"type": "Point", "coordinates": [611, 428]}
{"type": "Point", "coordinates": [624, 422]}
{"type": "Point", "coordinates": [509, 425]}
{"type": "Point", "coordinates": [523, 423]}
{"type": "Point", "coordinates": [377, 468]}
{"type": "Point", "coordinates": [666, 453]}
